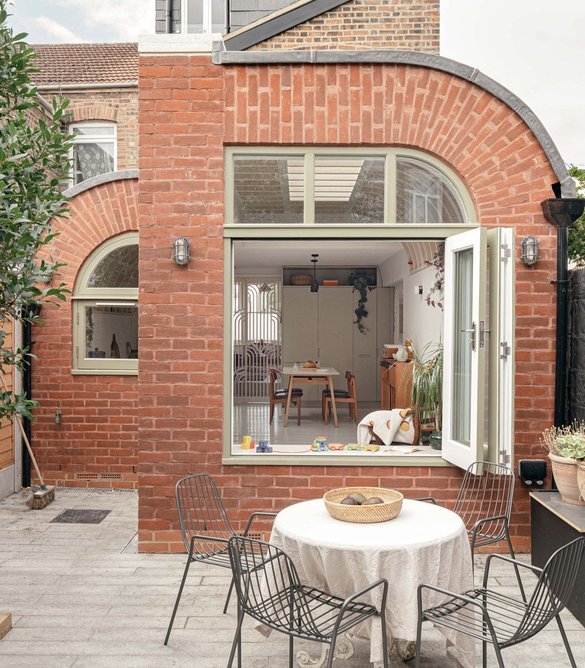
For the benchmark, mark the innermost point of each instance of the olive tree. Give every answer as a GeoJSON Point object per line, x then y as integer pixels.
{"type": "Point", "coordinates": [577, 233]}
{"type": "Point", "coordinates": [34, 150]}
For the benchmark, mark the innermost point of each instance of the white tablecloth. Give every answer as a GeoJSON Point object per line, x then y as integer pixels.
{"type": "Point", "coordinates": [425, 543]}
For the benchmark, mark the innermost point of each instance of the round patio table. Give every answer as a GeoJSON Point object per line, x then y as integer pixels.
{"type": "Point", "coordinates": [424, 544]}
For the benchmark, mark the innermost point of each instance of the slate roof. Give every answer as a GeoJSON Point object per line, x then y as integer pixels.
{"type": "Point", "coordinates": [68, 64]}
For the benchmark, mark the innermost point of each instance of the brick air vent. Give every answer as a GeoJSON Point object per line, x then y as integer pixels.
{"type": "Point", "coordinates": [98, 476]}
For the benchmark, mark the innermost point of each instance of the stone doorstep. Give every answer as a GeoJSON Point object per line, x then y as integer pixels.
{"type": "Point", "coordinates": [5, 623]}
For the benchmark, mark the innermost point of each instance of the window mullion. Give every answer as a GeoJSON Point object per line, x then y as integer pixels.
{"type": "Point", "coordinates": [390, 190]}
{"type": "Point", "coordinates": [309, 204]}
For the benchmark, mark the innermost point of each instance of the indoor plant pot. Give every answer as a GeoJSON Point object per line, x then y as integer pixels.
{"type": "Point", "coordinates": [566, 450]}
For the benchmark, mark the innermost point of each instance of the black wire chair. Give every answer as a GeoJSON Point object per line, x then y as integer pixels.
{"type": "Point", "coordinates": [205, 527]}
{"type": "Point", "coordinates": [269, 590]}
{"type": "Point", "coordinates": [484, 503]}
{"type": "Point", "coordinates": [502, 620]}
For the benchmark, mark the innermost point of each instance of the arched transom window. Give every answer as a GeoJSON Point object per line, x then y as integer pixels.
{"type": "Point", "coordinates": [349, 186]}
{"type": "Point", "coordinates": [106, 309]}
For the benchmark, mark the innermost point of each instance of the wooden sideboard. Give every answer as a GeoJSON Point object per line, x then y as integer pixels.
{"type": "Point", "coordinates": [396, 381]}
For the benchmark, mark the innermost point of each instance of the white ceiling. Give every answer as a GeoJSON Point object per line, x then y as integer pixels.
{"type": "Point", "coordinates": [277, 254]}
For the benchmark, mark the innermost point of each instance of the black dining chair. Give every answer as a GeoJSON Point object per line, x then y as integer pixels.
{"type": "Point", "coordinates": [484, 503]}
{"type": "Point", "coordinates": [501, 620]}
{"type": "Point", "coordinates": [269, 591]}
{"type": "Point", "coordinates": [206, 529]}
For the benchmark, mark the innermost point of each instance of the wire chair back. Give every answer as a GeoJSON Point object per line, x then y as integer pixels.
{"type": "Point", "coordinates": [202, 513]}
{"type": "Point", "coordinates": [553, 590]}
{"type": "Point", "coordinates": [486, 491]}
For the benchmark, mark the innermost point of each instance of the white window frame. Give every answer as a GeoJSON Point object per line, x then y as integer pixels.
{"type": "Point", "coordinates": [93, 139]}
{"type": "Point", "coordinates": [207, 27]}
{"type": "Point", "coordinates": [84, 296]}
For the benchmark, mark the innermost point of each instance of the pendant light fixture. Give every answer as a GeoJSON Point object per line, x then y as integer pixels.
{"type": "Point", "coordinates": [314, 282]}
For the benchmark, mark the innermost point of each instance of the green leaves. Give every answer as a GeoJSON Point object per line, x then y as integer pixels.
{"type": "Point", "coordinates": [577, 233]}
{"type": "Point", "coordinates": [34, 159]}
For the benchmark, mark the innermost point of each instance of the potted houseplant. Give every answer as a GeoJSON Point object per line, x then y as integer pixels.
{"type": "Point", "coordinates": [362, 282]}
{"type": "Point", "coordinates": [427, 389]}
{"type": "Point", "coordinates": [566, 449]}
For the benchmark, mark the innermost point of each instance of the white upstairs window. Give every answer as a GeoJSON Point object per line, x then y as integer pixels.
{"type": "Point", "coordinates": [203, 16]}
{"type": "Point", "coordinates": [93, 151]}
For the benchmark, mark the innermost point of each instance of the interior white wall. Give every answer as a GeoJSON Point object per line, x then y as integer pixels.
{"type": "Point", "coordinates": [423, 324]}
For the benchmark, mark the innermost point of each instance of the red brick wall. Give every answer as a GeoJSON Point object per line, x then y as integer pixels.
{"type": "Point", "coordinates": [189, 110]}
{"type": "Point", "coordinates": [99, 432]}
{"type": "Point", "coordinates": [117, 105]}
{"type": "Point", "coordinates": [409, 25]}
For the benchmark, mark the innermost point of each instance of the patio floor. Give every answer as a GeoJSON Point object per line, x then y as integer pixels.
{"type": "Point", "coordinates": [82, 596]}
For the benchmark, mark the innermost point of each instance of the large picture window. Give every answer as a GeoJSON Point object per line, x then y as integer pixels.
{"type": "Point", "coordinates": [106, 309]}
{"type": "Point", "coordinates": [94, 150]}
{"type": "Point", "coordinates": [336, 187]}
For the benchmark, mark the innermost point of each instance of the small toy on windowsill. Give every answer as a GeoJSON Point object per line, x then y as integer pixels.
{"type": "Point", "coordinates": [248, 443]}
{"type": "Point", "coordinates": [354, 446]}
{"type": "Point", "coordinates": [319, 444]}
{"type": "Point", "coordinates": [263, 448]}
{"type": "Point", "coordinates": [336, 446]}
{"type": "Point", "coordinates": [371, 447]}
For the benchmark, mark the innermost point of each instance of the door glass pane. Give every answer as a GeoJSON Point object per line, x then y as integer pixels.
{"type": "Point", "coordinates": [461, 427]}
{"type": "Point", "coordinates": [218, 16]}
{"type": "Point", "coordinates": [194, 16]}
{"type": "Point", "coordinates": [269, 191]}
{"type": "Point", "coordinates": [349, 191]}
{"type": "Point", "coordinates": [111, 332]}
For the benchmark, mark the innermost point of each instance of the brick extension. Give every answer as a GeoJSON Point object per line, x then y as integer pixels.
{"type": "Point", "coordinates": [408, 25]}
{"type": "Point", "coordinates": [100, 413]}
{"type": "Point", "coordinates": [190, 109]}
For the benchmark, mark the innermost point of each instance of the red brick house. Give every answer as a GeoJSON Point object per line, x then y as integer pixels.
{"type": "Point", "coordinates": [327, 128]}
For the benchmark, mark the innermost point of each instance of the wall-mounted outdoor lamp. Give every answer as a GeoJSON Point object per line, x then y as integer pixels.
{"type": "Point", "coordinates": [180, 252]}
{"type": "Point", "coordinates": [529, 254]}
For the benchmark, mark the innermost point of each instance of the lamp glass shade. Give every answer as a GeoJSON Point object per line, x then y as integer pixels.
{"type": "Point", "coordinates": [181, 251]}
{"type": "Point", "coordinates": [529, 254]}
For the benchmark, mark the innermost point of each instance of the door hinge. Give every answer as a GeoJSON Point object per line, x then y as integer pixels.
{"type": "Point", "coordinates": [77, 353]}
{"type": "Point", "coordinates": [77, 318]}
{"type": "Point", "coordinates": [505, 350]}
{"type": "Point", "coordinates": [504, 457]}
{"type": "Point", "coordinates": [506, 252]}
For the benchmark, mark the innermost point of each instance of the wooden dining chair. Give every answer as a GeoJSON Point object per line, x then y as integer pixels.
{"type": "Point", "coordinates": [348, 397]}
{"type": "Point", "coordinates": [280, 396]}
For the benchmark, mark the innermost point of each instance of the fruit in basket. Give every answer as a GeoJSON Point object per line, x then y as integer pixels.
{"type": "Point", "coordinates": [372, 500]}
{"type": "Point", "coordinates": [360, 498]}
{"type": "Point", "coordinates": [348, 501]}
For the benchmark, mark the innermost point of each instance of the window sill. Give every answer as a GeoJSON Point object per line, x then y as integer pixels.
{"type": "Point", "coordinates": [336, 459]}
{"type": "Point", "coordinates": [104, 372]}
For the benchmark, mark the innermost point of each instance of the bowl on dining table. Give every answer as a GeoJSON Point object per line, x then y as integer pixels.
{"type": "Point", "coordinates": [363, 514]}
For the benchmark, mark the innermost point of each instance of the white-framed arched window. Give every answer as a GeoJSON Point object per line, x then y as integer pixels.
{"type": "Point", "coordinates": [105, 311]}
{"type": "Point", "coordinates": [94, 149]}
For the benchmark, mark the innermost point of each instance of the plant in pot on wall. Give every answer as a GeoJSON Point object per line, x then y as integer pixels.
{"type": "Point", "coordinates": [362, 282]}
{"type": "Point", "coordinates": [566, 450]}
{"type": "Point", "coordinates": [427, 389]}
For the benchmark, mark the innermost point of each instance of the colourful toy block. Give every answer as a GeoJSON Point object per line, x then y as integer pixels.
{"type": "Point", "coordinates": [354, 446]}
{"type": "Point", "coordinates": [336, 446]}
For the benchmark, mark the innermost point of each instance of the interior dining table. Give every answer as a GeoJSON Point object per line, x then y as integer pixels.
{"type": "Point", "coordinates": [300, 375]}
{"type": "Point", "coordinates": [426, 543]}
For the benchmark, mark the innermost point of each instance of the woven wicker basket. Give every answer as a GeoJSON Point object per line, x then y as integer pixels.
{"type": "Point", "coordinates": [379, 512]}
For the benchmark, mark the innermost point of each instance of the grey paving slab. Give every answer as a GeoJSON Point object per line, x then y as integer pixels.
{"type": "Point", "coordinates": [83, 597]}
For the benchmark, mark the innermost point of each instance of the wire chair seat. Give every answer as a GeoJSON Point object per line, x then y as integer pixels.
{"type": "Point", "coordinates": [312, 611]}
{"type": "Point", "coordinates": [506, 613]}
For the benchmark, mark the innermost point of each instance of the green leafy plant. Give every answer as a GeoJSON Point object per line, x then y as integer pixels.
{"type": "Point", "coordinates": [427, 383]}
{"type": "Point", "coordinates": [577, 232]}
{"type": "Point", "coordinates": [568, 442]}
{"type": "Point", "coordinates": [362, 282]}
{"type": "Point", "coordinates": [34, 161]}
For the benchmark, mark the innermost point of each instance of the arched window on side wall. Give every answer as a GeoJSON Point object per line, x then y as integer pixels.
{"type": "Point", "coordinates": [105, 313]}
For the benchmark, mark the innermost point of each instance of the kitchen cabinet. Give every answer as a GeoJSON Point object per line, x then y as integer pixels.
{"type": "Point", "coordinates": [319, 326]}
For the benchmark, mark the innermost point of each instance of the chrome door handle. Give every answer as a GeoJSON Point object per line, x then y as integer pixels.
{"type": "Point", "coordinates": [471, 331]}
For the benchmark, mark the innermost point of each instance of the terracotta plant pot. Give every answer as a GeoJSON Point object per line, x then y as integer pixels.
{"type": "Point", "coordinates": [565, 473]}
{"type": "Point", "coordinates": [581, 479]}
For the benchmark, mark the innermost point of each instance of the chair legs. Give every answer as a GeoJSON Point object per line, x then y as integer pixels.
{"type": "Point", "coordinates": [299, 411]}
{"type": "Point", "coordinates": [511, 549]}
{"type": "Point", "coordinates": [237, 643]}
{"type": "Point", "coordinates": [291, 651]}
{"type": "Point", "coordinates": [227, 598]}
{"type": "Point", "coordinates": [271, 411]}
{"type": "Point", "coordinates": [566, 642]}
{"type": "Point", "coordinates": [179, 594]}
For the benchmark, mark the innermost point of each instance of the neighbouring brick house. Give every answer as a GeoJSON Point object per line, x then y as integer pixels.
{"type": "Point", "coordinates": [323, 126]}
